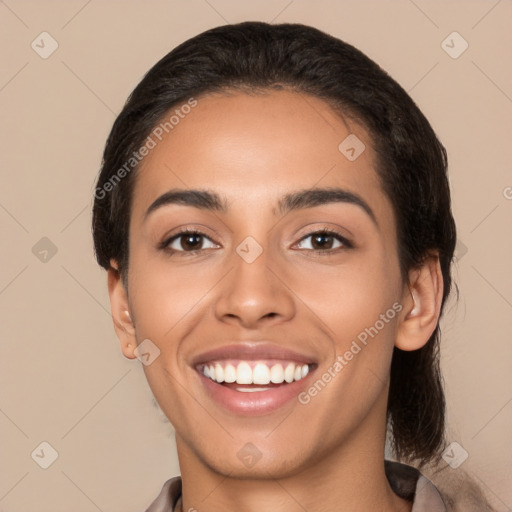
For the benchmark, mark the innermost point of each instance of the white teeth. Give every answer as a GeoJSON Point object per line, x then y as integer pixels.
{"type": "Point", "coordinates": [277, 374]}
{"type": "Point", "coordinates": [289, 372]}
{"type": "Point", "coordinates": [243, 374]}
{"type": "Point", "coordinates": [229, 373]}
{"type": "Point", "coordinates": [261, 374]}
{"type": "Point", "coordinates": [251, 390]}
{"type": "Point", "coordinates": [219, 373]}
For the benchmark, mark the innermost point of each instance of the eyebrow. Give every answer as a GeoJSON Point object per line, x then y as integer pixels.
{"type": "Point", "coordinates": [301, 199]}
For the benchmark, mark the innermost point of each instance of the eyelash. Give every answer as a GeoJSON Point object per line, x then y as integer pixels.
{"type": "Point", "coordinates": [323, 231]}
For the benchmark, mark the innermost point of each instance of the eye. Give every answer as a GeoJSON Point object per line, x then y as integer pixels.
{"type": "Point", "coordinates": [187, 241]}
{"type": "Point", "coordinates": [192, 241]}
{"type": "Point", "coordinates": [324, 241]}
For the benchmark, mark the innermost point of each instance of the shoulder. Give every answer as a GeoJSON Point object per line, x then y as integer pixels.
{"type": "Point", "coordinates": [459, 489]}
{"type": "Point", "coordinates": [168, 496]}
{"type": "Point", "coordinates": [408, 483]}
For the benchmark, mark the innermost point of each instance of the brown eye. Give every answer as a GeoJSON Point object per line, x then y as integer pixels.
{"type": "Point", "coordinates": [188, 241]}
{"type": "Point", "coordinates": [324, 241]}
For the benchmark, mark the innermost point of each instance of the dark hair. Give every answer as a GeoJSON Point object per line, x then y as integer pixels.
{"type": "Point", "coordinates": [412, 167]}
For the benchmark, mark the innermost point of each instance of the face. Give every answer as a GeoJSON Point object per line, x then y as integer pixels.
{"type": "Point", "coordinates": [291, 272]}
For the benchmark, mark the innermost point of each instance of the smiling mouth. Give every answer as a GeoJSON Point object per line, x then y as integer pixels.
{"type": "Point", "coordinates": [253, 376]}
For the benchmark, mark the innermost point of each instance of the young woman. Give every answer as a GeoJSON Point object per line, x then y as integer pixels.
{"type": "Point", "coordinates": [274, 214]}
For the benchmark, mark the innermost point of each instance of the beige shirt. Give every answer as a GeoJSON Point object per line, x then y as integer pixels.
{"type": "Point", "coordinates": [406, 481]}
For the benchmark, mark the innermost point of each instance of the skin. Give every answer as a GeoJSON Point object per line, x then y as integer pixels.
{"type": "Point", "coordinates": [253, 149]}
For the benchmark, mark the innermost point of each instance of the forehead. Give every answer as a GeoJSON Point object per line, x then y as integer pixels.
{"type": "Point", "coordinates": [257, 147]}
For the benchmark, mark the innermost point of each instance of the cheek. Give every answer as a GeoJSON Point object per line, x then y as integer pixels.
{"type": "Point", "coordinates": [163, 296]}
{"type": "Point", "coordinates": [358, 305]}
{"type": "Point", "coordinates": [350, 297]}
{"type": "Point", "coordinates": [166, 302]}
{"type": "Point", "coordinates": [344, 299]}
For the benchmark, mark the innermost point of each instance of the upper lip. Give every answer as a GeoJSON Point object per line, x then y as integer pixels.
{"type": "Point", "coordinates": [252, 351]}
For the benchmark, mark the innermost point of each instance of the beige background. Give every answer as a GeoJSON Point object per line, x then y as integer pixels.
{"type": "Point", "coordinates": [63, 379]}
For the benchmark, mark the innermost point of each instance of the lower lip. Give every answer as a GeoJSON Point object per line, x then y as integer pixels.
{"type": "Point", "coordinates": [257, 402]}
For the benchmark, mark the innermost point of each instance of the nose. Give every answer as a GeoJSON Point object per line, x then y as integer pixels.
{"type": "Point", "coordinates": [255, 294]}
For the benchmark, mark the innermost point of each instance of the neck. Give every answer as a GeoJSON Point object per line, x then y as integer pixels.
{"type": "Point", "coordinates": [349, 477]}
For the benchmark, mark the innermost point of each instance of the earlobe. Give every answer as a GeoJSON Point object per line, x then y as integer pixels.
{"type": "Point", "coordinates": [120, 308]}
{"type": "Point", "coordinates": [422, 305]}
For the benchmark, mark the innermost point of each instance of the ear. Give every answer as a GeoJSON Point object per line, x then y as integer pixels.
{"type": "Point", "coordinates": [422, 305]}
{"type": "Point", "coordinates": [123, 323]}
